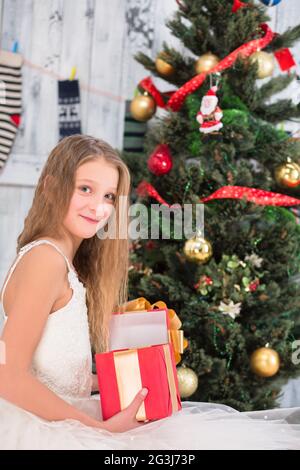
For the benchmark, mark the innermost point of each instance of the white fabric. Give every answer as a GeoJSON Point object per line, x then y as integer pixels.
{"type": "Point", "coordinates": [63, 362]}
{"type": "Point", "coordinates": [290, 394]}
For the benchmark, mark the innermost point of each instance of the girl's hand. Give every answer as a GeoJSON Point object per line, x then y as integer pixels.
{"type": "Point", "coordinates": [126, 419]}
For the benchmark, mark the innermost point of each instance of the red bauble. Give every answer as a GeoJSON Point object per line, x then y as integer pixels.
{"type": "Point", "coordinates": [160, 161]}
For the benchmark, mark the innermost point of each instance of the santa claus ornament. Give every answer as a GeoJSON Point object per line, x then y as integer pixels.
{"type": "Point", "coordinates": [210, 114]}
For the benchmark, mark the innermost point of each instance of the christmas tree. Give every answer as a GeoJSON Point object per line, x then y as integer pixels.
{"type": "Point", "coordinates": [217, 142]}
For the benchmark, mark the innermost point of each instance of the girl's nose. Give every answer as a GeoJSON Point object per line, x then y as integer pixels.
{"type": "Point", "coordinates": [101, 211]}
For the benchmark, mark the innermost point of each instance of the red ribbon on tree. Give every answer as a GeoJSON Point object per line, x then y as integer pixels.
{"type": "Point", "coordinates": [149, 86]}
{"type": "Point", "coordinates": [178, 97]}
{"type": "Point", "coordinates": [146, 189]}
{"type": "Point", "coordinates": [258, 196]}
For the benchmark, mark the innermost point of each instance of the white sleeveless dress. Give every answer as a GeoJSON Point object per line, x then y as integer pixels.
{"type": "Point", "coordinates": [63, 362]}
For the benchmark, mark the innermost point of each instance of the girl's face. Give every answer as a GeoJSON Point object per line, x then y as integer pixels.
{"type": "Point", "coordinates": [93, 199]}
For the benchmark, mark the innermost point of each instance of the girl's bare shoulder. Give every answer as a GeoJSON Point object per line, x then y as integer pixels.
{"type": "Point", "coordinates": [40, 267]}
{"type": "Point", "coordinates": [43, 257]}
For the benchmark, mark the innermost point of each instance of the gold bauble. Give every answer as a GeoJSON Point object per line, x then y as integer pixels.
{"type": "Point", "coordinates": [142, 107]}
{"type": "Point", "coordinates": [163, 68]}
{"type": "Point", "coordinates": [288, 175]}
{"type": "Point", "coordinates": [187, 381]}
{"type": "Point", "coordinates": [265, 362]}
{"type": "Point", "coordinates": [198, 250]}
{"type": "Point", "coordinates": [265, 62]}
{"type": "Point", "coordinates": [206, 62]}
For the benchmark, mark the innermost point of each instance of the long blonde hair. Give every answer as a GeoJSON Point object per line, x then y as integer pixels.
{"type": "Point", "coordinates": [102, 265]}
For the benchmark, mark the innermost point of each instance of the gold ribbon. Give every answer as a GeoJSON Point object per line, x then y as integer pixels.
{"type": "Point", "coordinates": [175, 334]}
{"type": "Point", "coordinates": [130, 383]}
{"type": "Point", "coordinates": [171, 378]}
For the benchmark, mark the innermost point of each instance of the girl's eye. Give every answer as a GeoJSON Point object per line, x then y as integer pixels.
{"type": "Point", "coordinates": [84, 187]}
{"type": "Point", "coordinates": [112, 198]}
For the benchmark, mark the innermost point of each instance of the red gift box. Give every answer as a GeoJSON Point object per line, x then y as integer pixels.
{"type": "Point", "coordinates": [122, 374]}
{"type": "Point", "coordinates": [285, 59]}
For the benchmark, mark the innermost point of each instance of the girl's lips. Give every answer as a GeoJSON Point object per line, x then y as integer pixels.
{"type": "Point", "coordinates": [92, 221]}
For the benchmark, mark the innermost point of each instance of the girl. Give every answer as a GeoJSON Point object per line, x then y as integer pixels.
{"type": "Point", "coordinates": [56, 303]}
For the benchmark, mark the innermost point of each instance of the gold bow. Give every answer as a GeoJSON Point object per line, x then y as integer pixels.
{"type": "Point", "coordinates": [175, 334]}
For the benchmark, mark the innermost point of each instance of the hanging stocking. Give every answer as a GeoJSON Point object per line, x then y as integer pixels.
{"type": "Point", "coordinates": [10, 101]}
{"type": "Point", "coordinates": [134, 132]}
{"type": "Point", "coordinates": [69, 108]}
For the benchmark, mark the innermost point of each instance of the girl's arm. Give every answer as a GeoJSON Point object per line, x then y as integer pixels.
{"type": "Point", "coordinates": [29, 393]}
{"type": "Point", "coordinates": [36, 291]}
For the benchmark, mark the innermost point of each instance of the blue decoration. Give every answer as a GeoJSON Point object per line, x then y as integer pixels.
{"type": "Point", "coordinates": [270, 3]}
{"type": "Point", "coordinates": [15, 47]}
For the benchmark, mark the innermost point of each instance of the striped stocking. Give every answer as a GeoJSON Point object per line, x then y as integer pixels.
{"type": "Point", "coordinates": [10, 101]}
